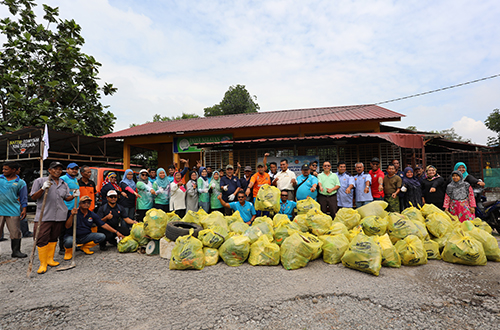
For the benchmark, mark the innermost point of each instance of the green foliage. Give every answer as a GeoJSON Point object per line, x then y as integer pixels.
{"type": "Point", "coordinates": [493, 123]}
{"type": "Point", "coordinates": [450, 134]}
{"type": "Point", "coordinates": [412, 128]}
{"type": "Point", "coordinates": [44, 76]}
{"type": "Point", "coordinates": [159, 117]}
{"type": "Point", "coordinates": [236, 100]}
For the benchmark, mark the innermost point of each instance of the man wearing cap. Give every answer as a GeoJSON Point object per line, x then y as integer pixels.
{"type": "Point", "coordinates": [85, 219]}
{"type": "Point", "coordinates": [72, 182]}
{"type": "Point", "coordinates": [54, 214]}
{"type": "Point", "coordinates": [229, 186]}
{"type": "Point", "coordinates": [329, 185]}
{"type": "Point", "coordinates": [245, 180]}
{"type": "Point", "coordinates": [377, 180]}
{"type": "Point", "coordinates": [258, 180]}
{"type": "Point", "coordinates": [419, 172]}
{"type": "Point", "coordinates": [115, 216]}
{"type": "Point", "coordinates": [306, 184]}
{"type": "Point", "coordinates": [362, 185]}
{"type": "Point", "coordinates": [286, 180]}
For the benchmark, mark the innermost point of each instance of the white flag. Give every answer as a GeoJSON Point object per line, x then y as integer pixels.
{"type": "Point", "coordinates": [46, 143]}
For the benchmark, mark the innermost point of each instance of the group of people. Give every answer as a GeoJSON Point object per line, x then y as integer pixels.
{"type": "Point", "coordinates": [126, 202]}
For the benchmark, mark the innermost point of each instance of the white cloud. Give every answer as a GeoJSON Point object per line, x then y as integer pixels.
{"type": "Point", "coordinates": [473, 129]}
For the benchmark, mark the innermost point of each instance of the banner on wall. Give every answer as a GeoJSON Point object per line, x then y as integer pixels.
{"type": "Point", "coordinates": [185, 144]}
{"type": "Point", "coordinates": [294, 162]}
{"type": "Point", "coordinates": [24, 146]}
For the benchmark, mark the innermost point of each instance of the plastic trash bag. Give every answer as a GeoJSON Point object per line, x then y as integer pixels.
{"type": "Point", "coordinates": [490, 243]}
{"type": "Point", "coordinates": [432, 249]}
{"type": "Point", "coordinates": [264, 253]}
{"type": "Point", "coordinates": [438, 224]}
{"type": "Point", "coordinates": [137, 232]}
{"type": "Point", "coordinates": [462, 248]}
{"type": "Point", "coordinates": [318, 222]}
{"type": "Point", "coordinates": [278, 218]}
{"type": "Point", "coordinates": [400, 226]}
{"type": "Point", "coordinates": [422, 229]}
{"type": "Point", "coordinates": [363, 254]}
{"type": "Point", "coordinates": [195, 217]}
{"type": "Point", "coordinates": [373, 208]}
{"type": "Point", "coordinates": [238, 227]}
{"type": "Point", "coordinates": [236, 217]}
{"type": "Point", "coordinates": [390, 256]}
{"type": "Point", "coordinates": [187, 253]}
{"type": "Point", "coordinates": [210, 238]}
{"type": "Point", "coordinates": [128, 244]}
{"type": "Point", "coordinates": [414, 214]}
{"type": "Point", "coordinates": [257, 230]}
{"type": "Point", "coordinates": [348, 216]}
{"type": "Point", "coordinates": [265, 219]}
{"type": "Point", "coordinates": [374, 225]}
{"type": "Point", "coordinates": [355, 231]}
{"type": "Point", "coordinates": [268, 199]}
{"type": "Point", "coordinates": [284, 229]}
{"type": "Point", "coordinates": [429, 209]}
{"type": "Point", "coordinates": [482, 225]}
{"type": "Point", "coordinates": [442, 240]}
{"type": "Point", "coordinates": [155, 223]}
{"type": "Point", "coordinates": [334, 247]}
{"type": "Point", "coordinates": [305, 205]}
{"type": "Point", "coordinates": [298, 249]}
{"type": "Point", "coordinates": [301, 221]}
{"type": "Point", "coordinates": [338, 228]}
{"type": "Point", "coordinates": [235, 250]}
{"type": "Point", "coordinates": [211, 256]}
{"type": "Point", "coordinates": [412, 251]}
{"type": "Point", "coordinates": [214, 219]}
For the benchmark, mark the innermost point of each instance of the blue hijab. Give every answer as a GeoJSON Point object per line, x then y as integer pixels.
{"type": "Point", "coordinates": [457, 165]}
{"type": "Point", "coordinates": [163, 183]}
{"type": "Point", "coordinates": [199, 173]}
{"type": "Point", "coordinates": [128, 182]}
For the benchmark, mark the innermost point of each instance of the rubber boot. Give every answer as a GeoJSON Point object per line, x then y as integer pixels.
{"type": "Point", "coordinates": [16, 249]}
{"type": "Point", "coordinates": [86, 247]}
{"type": "Point", "coordinates": [42, 256]}
{"type": "Point", "coordinates": [68, 254]}
{"type": "Point", "coordinates": [50, 255]}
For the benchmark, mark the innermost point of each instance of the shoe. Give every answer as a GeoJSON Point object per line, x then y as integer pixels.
{"type": "Point", "coordinates": [50, 256]}
{"type": "Point", "coordinates": [86, 247]}
{"type": "Point", "coordinates": [16, 249]}
{"type": "Point", "coordinates": [30, 234]}
{"type": "Point", "coordinates": [3, 239]}
{"type": "Point", "coordinates": [68, 254]}
{"type": "Point", "coordinates": [42, 256]}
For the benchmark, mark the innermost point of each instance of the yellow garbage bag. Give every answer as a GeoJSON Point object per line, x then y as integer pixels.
{"type": "Point", "coordinates": [348, 216]}
{"type": "Point", "coordinates": [438, 224]}
{"type": "Point", "coordinates": [236, 217]}
{"type": "Point", "coordinates": [423, 233]}
{"type": "Point", "coordinates": [429, 209]}
{"type": "Point", "coordinates": [264, 253]}
{"type": "Point", "coordinates": [257, 230]}
{"type": "Point", "coordinates": [305, 205]}
{"type": "Point", "coordinates": [155, 223]}
{"type": "Point", "coordinates": [479, 223]}
{"type": "Point", "coordinates": [400, 226]}
{"type": "Point", "coordinates": [453, 218]}
{"type": "Point", "coordinates": [373, 208]}
{"type": "Point", "coordinates": [298, 249]}
{"type": "Point", "coordinates": [137, 232]}
{"type": "Point", "coordinates": [374, 225]}
{"type": "Point", "coordinates": [235, 250]}
{"type": "Point", "coordinates": [187, 253]}
{"type": "Point", "coordinates": [301, 221]}
{"type": "Point", "coordinates": [390, 256]}
{"type": "Point", "coordinates": [490, 243]}
{"type": "Point", "coordinates": [413, 214]}
{"type": "Point", "coordinates": [265, 219]}
{"type": "Point", "coordinates": [363, 254]}
{"type": "Point", "coordinates": [355, 231]}
{"type": "Point", "coordinates": [432, 249]}
{"type": "Point", "coordinates": [412, 251]}
{"type": "Point", "coordinates": [318, 222]}
{"type": "Point", "coordinates": [172, 216]}
{"type": "Point", "coordinates": [210, 238]}
{"type": "Point", "coordinates": [284, 229]}
{"type": "Point", "coordinates": [442, 240]}
{"type": "Point", "coordinates": [214, 219]}
{"type": "Point", "coordinates": [462, 248]}
{"type": "Point", "coordinates": [268, 199]}
{"type": "Point", "coordinates": [338, 228]}
{"type": "Point", "coordinates": [238, 227]}
{"type": "Point", "coordinates": [192, 217]}
{"type": "Point", "coordinates": [211, 256]}
{"type": "Point", "coordinates": [128, 244]}
{"type": "Point", "coordinates": [278, 218]}
{"type": "Point", "coordinates": [334, 247]}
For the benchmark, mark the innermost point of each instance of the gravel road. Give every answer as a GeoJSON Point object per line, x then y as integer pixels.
{"type": "Point", "coordinates": [108, 290]}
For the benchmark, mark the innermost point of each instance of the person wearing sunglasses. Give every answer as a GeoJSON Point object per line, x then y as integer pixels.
{"type": "Point", "coordinates": [287, 206]}
{"type": "Point", "coordinates": [146, 195]}
{"type": "Point", "coordinates": [246, 209]}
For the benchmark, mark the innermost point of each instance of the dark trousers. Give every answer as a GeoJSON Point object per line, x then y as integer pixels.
{"type": "Point", "coordinates": [111, 237]}
{"type": "Point", "coordinates": [228, 211]}
{"type": "Point", "coordinates": [221, 210]}
{"type": "Point", "coordinates": [141, 214]}
{"type": "Point", "coordinates": [164, 207]}
{"type": "Point", "coordinates": [328, 202]}
{"type": "Point", "coordinates": [49, 232]}
{"type": "Point", "coordinates": [181, 213]}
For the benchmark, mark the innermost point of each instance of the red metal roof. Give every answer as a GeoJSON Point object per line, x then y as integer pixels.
{"type": "Point", "coordinates": [265, 118]}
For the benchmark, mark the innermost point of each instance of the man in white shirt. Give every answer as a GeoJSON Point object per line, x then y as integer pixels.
{"type": "Point", "coordinates": [286, 180]}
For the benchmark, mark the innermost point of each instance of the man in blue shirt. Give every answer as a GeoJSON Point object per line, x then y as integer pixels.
{"type": "Point", "coordinates": [306, 184]}
{"type": "Point", "coordinates": [287, 206]}
{"type": "Point", "coordinates": [229, 186]}
{"type": "Point", "coordinates": [246, 209]}
{"type": "Point", "coordinates": [345, 194]}
{"type": "Point", "coordinates": [362, 185]}
{"type": "Point", "coordinates": [71, 180]}
{"type": "Point", "coordinates": [13, 197]}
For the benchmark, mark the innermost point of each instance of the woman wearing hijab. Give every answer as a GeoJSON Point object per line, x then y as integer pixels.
{"type": "Point", "coordinates": [203, 190]}
{"type": "Point", "coordinates": [162, 190]}
{"type": "Point", "coordinates": [192, 192]}
{"type": "Point", "coordinates": [459, 198]}
{"type": "Point", "coordinates": [128, 194]}
{"type": "Point", "coordinates": [433, 188]}
{"type": "Point", "coordinates": [109, 184]}
{"type": "Point", "coordinates": [411, 192]}
{"type": "Point", "coordinates": [215, 204]}
{"type": "Point", "coordinates": [178, 196]}
{"type": "Point", "coordinates": [146, 195]}
{"type": "Point", "coordinates": [467, 177]}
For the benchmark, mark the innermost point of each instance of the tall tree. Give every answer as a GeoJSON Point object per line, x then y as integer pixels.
{"type": "Point", "coordinates": [493, 123]}
{"type": "Point", "coordinates": [44, 76]}
{"type": "Point", "coordinates": [236, 100]}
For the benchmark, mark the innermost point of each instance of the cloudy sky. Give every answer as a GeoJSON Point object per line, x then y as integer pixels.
{"type": "Point", "coordinates": [170, 57]}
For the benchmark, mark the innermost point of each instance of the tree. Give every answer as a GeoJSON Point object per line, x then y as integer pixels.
{"type": "Point", "coordinates": [412, 128]}
{"type": "Point", "coordinates": [159, 117]}
{"type": "Point", "coordinates": [493, 123]}
{"type": "Point", "coordinates": [236, 100]}
{"type": "Point", "coordinates": [44, 76]}
{"type": "Point", "coordinates": [451, 134]}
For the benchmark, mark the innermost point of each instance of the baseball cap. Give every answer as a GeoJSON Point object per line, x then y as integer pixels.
{"type": "Point", "coordinates": [229, 167]}
{"type": "Point", "coordinates": [248, 168]}
{"type": "Point", "coordinates": [143, 171]}
{"type": "Point", "coordinates": [73, 165]}
{"type": "Point", "coordinates": [375, 160]}
{"type": "Point", "coordinates": [419, 167]}
{"type": "Point", "coordinates": [305, 167]}
{"type": "Point", "coordinates": [112, 193]}
{"type": "Point", "coordinates": [55, 164]}
{"type": "Point", "coordinates": [87, 198]}
{"type": "Point", "coordinates": [260, 164]}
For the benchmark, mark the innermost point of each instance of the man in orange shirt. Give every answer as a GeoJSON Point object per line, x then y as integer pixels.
{"type": "Point", "coordinates": [258, 180]}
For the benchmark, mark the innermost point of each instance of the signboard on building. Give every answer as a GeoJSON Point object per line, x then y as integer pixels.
{"type": "Point", "coordinates": [24, 146]}
{"type": "Point", "coordinates": [294, 162]}
{"type": "Point", "coordinates": [185, 144]}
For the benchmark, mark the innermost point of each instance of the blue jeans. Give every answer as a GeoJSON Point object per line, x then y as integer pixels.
{"type": "Point", "coordinates": [83, 239]}
{"type": "Point", "coordinates": [359, 204]}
